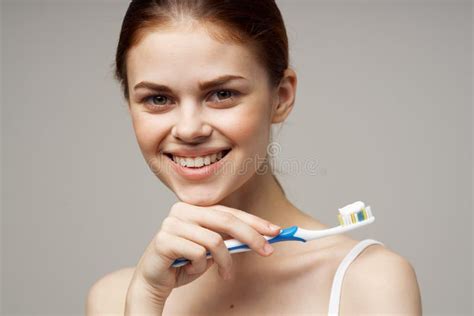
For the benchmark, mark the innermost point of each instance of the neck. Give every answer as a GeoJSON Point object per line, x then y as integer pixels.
{"type": "Point", "coordinates": [263, 197]}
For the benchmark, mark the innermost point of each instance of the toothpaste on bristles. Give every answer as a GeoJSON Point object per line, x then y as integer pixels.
{"type": "Point", "coordinates": [354, 213]}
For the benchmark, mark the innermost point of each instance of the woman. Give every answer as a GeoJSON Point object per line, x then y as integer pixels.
{"type": "Point", "coordinates": [208, 79]}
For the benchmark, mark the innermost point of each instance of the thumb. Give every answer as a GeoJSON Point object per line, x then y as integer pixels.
{"type": "Point", "coordinates": [191, 277]}
{"type": "Point", "coordinates": [210, 261]}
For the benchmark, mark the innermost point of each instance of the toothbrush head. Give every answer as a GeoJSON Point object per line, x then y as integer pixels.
{"type": "Point", "coordinates": [354, 213]}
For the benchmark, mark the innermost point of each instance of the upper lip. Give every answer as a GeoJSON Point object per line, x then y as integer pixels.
{"type": "Point", "coordinates": [195, 152]}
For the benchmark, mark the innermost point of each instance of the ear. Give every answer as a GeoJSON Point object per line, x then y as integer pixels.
{"type": "Point", "coordinates": [284, 96]}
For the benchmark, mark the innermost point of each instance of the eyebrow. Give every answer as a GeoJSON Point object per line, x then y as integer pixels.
{"type": "Point", "coordinates": [202, 85]}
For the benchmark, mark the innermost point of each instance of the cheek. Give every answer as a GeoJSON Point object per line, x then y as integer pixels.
{"type": "Point", "coordinates": [149, 131]}
{"type": "Point", "coordinates": [247, 125]}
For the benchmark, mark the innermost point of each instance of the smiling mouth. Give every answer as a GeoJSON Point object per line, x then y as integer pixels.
{"type": "Point", "coordinates": [198, 162]}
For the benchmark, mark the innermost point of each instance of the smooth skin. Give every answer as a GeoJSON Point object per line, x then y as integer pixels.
{"type": "Point", "coordinates": [296, 278]}
{"type": "Point", "coordinates": [187, 232]}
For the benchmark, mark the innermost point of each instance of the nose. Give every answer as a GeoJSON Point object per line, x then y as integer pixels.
{"type": "Point", "coordinates": [190, 126]}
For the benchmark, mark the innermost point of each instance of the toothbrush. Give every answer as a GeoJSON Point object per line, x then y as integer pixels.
{"type": "Point", "coordinates": [350, 217]}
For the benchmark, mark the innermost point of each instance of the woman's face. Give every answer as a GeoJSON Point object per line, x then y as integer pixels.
{"type": "Point", "coordinates": [192, 117]}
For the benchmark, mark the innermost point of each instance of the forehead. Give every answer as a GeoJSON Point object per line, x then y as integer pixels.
{"type": "Point", "coordinates": [192, 55]}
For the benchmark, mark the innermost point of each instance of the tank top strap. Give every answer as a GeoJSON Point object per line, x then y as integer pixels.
{"type": "Point", "coordinates": [340, 272]}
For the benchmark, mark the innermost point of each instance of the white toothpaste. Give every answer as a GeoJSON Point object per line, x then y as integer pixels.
{"type": "Point", "coordinates": [351, 208]}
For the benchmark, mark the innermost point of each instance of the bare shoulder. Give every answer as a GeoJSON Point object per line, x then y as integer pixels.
{"type": "Point", "coordinates": [107, 295]}
{"type": "Point", "coordinates": [380, 281]}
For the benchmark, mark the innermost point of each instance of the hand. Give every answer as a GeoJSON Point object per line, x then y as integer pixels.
{"type": "Point", "coordinates": [190, 231]}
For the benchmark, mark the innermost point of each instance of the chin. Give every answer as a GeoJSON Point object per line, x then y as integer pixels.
{"type": "Point", "coordinates": [199, 197]}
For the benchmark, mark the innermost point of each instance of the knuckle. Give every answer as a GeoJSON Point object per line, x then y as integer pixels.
{"type": "Point", "coordinates": [158, 241]}
{"type": "Point", "coordinates": [162, 247]}
{"type": "Point", "coordinates": [215, 241]}
{"type": "Point", "coordinates": [169, 223]}
{"type": "Point", "coordinates": [201, 252]}
{"type": "Point", "coordinates": [227, 219]}
{"type": "Point", "coordinates": [176, 208]}
{"type": "Point", "coordinates": [159, 237]}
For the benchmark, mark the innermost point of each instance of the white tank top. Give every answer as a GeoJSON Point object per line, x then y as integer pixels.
{"type": "Point", "coordinates": [341, 270]}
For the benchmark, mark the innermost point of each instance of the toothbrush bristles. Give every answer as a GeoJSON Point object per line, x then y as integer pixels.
{"type": "Point", "coordinates": [355, 217]}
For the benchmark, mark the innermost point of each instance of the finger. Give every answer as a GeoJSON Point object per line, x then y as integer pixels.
{"type": "Point", "coordinates": [226, 222]}
{"type": "Point", "coordinates": [265, 227]}
{"type": "Point", "coordinates": [173, 247]}
{"type": "Point", "coordinates": [189, 268]}
{"type": "Point", "coordinates": [260, 224]}
{"type": "Point", "coordinates": [202, 236]}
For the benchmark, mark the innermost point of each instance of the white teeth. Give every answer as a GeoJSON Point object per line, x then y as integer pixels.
{"type": "Point", "coordinates": [189, 162]}
{"type": "Point", "coordinates": [198, 161]}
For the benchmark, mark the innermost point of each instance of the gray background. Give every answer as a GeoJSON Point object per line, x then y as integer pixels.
{"type": "Point", "coordinates": [383, 110]}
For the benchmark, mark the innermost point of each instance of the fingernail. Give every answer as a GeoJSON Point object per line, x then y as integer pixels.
{"type": "Point", "coordinates": [274, 227]}
{"type": "Point", "coordinates": [268, 249]}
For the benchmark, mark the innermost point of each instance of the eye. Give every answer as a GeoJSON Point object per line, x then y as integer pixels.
{"type": "Point", "coordinates": [159, 101]}
{"type": "Point", "coordinates": [156, 101]}
{"type": "Point", "coordinates": [225, 95]}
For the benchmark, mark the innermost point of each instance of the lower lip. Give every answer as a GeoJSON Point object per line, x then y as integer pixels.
{"type": "Point", "coordinates": [198, 173]}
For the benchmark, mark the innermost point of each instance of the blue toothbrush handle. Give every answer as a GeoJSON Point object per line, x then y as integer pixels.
{"type": "Point", "coordinates": [234, 245]}
{"type": "Point", "coordinates": [286, 234]}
